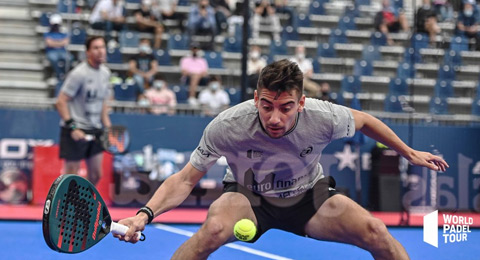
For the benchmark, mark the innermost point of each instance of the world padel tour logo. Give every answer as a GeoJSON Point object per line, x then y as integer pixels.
{"type": "Point", "coordinates": [455, 228]}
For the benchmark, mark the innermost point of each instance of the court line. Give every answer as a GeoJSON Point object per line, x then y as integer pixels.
{"type": "Point", "coordinates": [231, 245]}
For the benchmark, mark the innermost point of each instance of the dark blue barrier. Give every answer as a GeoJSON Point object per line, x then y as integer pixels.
{"type": "Point", "coordinates": [458, 188]}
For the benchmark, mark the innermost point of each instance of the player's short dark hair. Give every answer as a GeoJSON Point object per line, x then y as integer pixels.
{"type": "Point", "coordinates": [90, 39]}
{"type": "Point", "coordinates": [281, 76]}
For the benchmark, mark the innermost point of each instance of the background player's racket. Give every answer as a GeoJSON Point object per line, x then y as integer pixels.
{"type": "Point", "coordinates": [75, 217]}
{"type": "Point", "coordinates": [114, 140]}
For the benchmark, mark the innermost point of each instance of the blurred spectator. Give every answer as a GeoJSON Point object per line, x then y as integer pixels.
{"type": "Point", "coordinates": [126, 89]}
{"type": "Point", "coordinates": [222, 12]}
{"type": "Point", "coordinates": [214, 99]}
{"type": "Point", "coordinates": [325, 92]}
{"type": "Point", "coordinates": [108, 15]}
{"type": "Point", "coordinates": [281, 7]}
{"type": "Point", "coordinates": [143, 65]}
{"type": "Point", "coordinates": [390, 20]}
{"type": "Point", "coordinates": [264, 9]}
{"type": "Point", "coordinates": [162, 99]}
{"type": "Point", "coordinates": [255, 64]}
{"type": "Point", "coordinates": [146, 21]}
{"type": "Point", "coordinates": [444, 10]}
{"type": "Point", "coordinates": [235, 21]}
{"type": "Point", "coordinates": [312, 89]}
{"type": "Point", "coordinates": [55, 47]}
{"type": "Point", "coordinates": [201, 21]}
{"type": "Point", "coordinates": [468, 21]}
{"type": "Point", "coordinates": [427, 21]}
{"type": "Point", "coordinates": [194, 70]}
{"type": "Point", "coordinates": [167, 9]}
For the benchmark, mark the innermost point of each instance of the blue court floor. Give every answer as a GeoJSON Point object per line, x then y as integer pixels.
{"type": "Point", "coordinates": [24, 240]}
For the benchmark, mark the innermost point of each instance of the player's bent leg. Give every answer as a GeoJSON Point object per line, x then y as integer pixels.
{"type": "Point", "coordinates": [340, 219]}
{"type": "Point", "coordinates": [72, 167]}
{"type": "Point", "coordinates": [218, 228]}
{"type": "Point", "coordinates": [94, 168]}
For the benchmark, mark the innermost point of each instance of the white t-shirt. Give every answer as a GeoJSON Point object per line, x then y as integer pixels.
{"type": "Point", "coordinates": [108, 7]}
{"type": "Point", "coordinates": [214, 100]}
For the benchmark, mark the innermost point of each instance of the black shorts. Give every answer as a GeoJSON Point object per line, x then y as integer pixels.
{"type": "Point", "coordinates": [288, 214]}
{"type": "Point", "coordinates": [72, 150]}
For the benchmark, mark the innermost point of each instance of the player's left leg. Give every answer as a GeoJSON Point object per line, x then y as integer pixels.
{"type": "Point", "coordinates": [340, 219]}
{"type": "Point", "coordinates": [94, 168]}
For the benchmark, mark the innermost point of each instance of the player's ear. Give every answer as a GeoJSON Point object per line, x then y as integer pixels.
{"type": "Point", "coordinates": [301, 103]}
{"type": "Point", "coordinates": [255, 97]}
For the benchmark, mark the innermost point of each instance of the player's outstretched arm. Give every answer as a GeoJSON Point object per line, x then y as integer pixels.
{"type": "Point", "coordinates": [169, 195]}
{"type": "Point", "coordinates": [377, 130]}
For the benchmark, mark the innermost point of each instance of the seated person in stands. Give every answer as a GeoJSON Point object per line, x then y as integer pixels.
{"type": "Point", "coordinates": [235, 21]}
{"type": "Point", "coordinates": [255, 64]}
{"type": "Point", "coordinates": [146, 21]}
{"type": "Point", "coordinates": [427, 21]}
{"type": "Point", "coordinates": [126, 89]}
{"type": "Point", "coordinates": [264, 9]}
{"type": "Point", "coordinates": [444, 10]}
{"type": "Point", "coordinates": [167, 9]}
{"type": "Point", "coordinates": [143, 65]}
{"type": "Point", "coordinates": [201, 21]}
{"type": "Point", "coordinates": [161, 98]}
{"type": "Point", "coordinates": [222, 12]}
{"type": "Point", "coordinates": [194, 72]}
{"type": "Point", "coordinates": [214, 99]}
{"type": "Point", "coordinates": [312, 89]}
{"type": "Point", "coordinates": [55, 47]}
{"type": "Point", "coordinates": [468, 21]}
{"type": "Point", "coordinates": [390, 20]}
{"type": "Point", "coordinates": [282, 7]}
{"type": "Point", "coordinates": [108, 15]}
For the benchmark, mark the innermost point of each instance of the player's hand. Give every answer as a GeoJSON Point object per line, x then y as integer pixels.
{"type": "Point", "coordinates": [134, 224]}
{"type": "Point", "coordinates": [77, 135]}
{"type": "Point", "coordinates": [429, 160]}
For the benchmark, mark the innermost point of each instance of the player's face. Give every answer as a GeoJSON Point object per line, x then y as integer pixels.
{"type": "Point", "coordinates": [278, 113]}
{"type": "Point", "coordinates": [97, 53]}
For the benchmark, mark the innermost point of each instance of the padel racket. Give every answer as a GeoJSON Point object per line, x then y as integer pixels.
{"type": "Point", "coordinates": [75, 216]}
{"type": "Point", "coordinates": [115, 140]}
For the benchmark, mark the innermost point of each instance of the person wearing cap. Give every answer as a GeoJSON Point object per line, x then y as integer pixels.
{"type": "Point", "coordinates": [468, 21]}
{"type": "Point", "coordinates": [146, 21]}
{"type": "Point", "coordinates": [194, 69]}
{"type": "Point", "coordinates": [214, 99]}
{"type": "Point", "coordinates": [143, 65]}
{"type": "Point", "coordinates": [55, 47]}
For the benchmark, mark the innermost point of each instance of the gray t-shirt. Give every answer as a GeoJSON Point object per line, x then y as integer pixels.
{"type": "Point", "coordinates": [283, 167]}
{"type": "Point", "coordinates": [89, 88]}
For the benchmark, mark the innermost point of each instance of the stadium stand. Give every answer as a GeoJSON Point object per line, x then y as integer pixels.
{"type": "Point", "coordinates": [337, 36]}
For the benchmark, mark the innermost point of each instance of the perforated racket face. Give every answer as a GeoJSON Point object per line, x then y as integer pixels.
{"type": "Point", "coordinates": [116, 140]}
{"type": "Point", "coordinates": [75, 217]}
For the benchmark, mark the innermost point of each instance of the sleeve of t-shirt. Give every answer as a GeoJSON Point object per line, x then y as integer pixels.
{"type": "Point", "coordinates": [72, 84]}
{"type": "Point", "coordinates": [343, 123]}
{"type": "Point", "coordinates": [225, 99]}
{"type": "Point", "coordinates": [207, 152]}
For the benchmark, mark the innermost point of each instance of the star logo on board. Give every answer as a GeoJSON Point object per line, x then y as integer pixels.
{"type": "Point", "coordinates": [346, 158]}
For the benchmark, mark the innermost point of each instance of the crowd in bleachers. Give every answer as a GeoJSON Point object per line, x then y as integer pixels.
{"type": "Point", "coordinates": [344, 48]}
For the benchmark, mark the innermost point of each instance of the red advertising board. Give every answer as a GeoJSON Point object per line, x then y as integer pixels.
{"type": "Point", "coordinates": [47, 166]}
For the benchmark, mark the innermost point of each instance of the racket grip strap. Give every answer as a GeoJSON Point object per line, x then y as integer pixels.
{"type": "Point", "coordinates": [120, 229]}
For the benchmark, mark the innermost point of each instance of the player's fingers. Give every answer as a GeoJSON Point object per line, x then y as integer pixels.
{"type": "Point", "coordinates": [130, 233]}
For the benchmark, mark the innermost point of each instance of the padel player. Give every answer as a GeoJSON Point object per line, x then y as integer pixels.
{"type": "Point", "coordinates": [82, 106]}
{"type": "Point", "coordinates": [273, 146]}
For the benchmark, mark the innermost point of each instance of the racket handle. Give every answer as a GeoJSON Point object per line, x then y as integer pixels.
{"type": "Point", "coordinates": [89, 138]}
{"type": "Point", "coordinates": [120, 229]}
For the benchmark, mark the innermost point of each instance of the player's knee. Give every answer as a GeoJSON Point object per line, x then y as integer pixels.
{"type": "Point", "coordinates": [377, 236]}
{"type": "Point", "coordinates": [215, 232]}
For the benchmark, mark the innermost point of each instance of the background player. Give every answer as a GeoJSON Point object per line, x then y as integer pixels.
{"type": "Point", "coordinates": [82, 106]}
{"type": "Point", "coordinates": [273, 146]}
